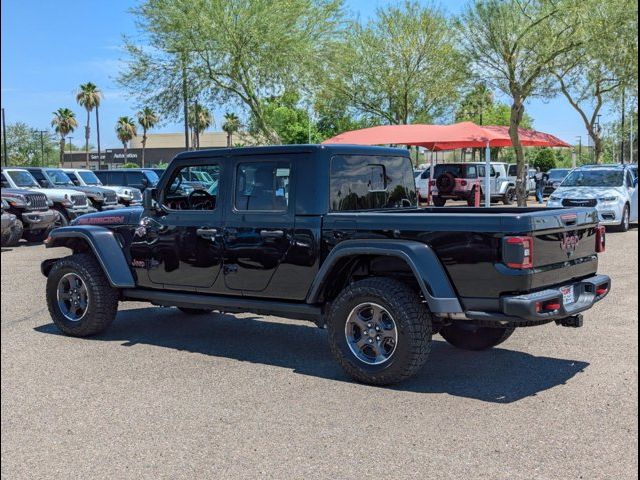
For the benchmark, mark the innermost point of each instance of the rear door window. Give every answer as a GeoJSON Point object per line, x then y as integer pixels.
{"type": "Point", "coordinates": [262, 186]}
{"type": "Point", "coordinates": [116, 178]}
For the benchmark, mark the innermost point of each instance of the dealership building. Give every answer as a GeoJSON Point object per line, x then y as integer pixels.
{"type": "Point", "coordinates": [161, 148]}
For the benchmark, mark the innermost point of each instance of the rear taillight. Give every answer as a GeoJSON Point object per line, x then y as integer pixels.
{"type": "Point", "coordinates": [517, 252]}
{"type": "Point", "coordinates": [432, 183]}
{"type": "Point", "coordinates": [601, 240]}
{"type": "Point", "coordinates": [463, 183]}
{"type": "Point", "coordinates": [602, 289]}
{"type": "Point", "coordinates": [548, 306]}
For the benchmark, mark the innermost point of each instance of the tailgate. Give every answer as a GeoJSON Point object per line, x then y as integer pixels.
{"type": "Point", "coordinates": [564, 246]}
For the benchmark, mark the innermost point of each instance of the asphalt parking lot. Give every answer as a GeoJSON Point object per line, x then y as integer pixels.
{"type": "Point", "coordinates": [164, 395]}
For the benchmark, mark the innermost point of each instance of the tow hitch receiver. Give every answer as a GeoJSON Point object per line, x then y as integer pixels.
{"type": "Point", "coordinates": [575, 321]}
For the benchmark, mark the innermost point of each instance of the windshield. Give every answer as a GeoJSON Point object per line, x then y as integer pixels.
{"type": "Point", "coordinates": [594, 178]}
{"type": "Point", "coordinates": [59, 178]}
{"type": "Point", "coordinates": [90, 178]}
{"type": "Point", "coordinates": [557, 174]}
{"type": "Point", "coordinates": [23, 179]}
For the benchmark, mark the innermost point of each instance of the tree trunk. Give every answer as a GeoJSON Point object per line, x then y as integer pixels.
{"type": "Point", "coordinates": [87, 134]}
{"type": "Point", "coordinates": [228, 139]}
{"type": "Point", "coordinates": [144, 144]}
{"type": "Point", "coordinates": [598, 147]}
{"type": "Point", "coordinates": [124, 146]}
{"type": "Point", "coordinates": [61, 152]}
{"type": "Point", "coordinates": [517, 112]}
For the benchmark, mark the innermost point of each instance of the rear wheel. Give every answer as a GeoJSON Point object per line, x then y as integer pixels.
{"type": "Point", "coordinates": [195, 311]}
{"type": "Point", "coordinates": [439, 201]}
{"type": "Point", "coordinates": [473, 337]}
{"type": "Point", "coordinates": [379, 331]}
{"type": "Point", "coordinates": [80, 299]}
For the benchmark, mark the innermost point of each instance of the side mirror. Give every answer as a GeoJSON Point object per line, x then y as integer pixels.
{"type": "Point", "coordinates": [149, 199]}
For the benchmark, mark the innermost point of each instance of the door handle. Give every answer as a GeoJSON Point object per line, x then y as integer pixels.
{"type": "Point", "coordinates": [271, 233]}
{"type": "Point", "coordinates": [208, 233]}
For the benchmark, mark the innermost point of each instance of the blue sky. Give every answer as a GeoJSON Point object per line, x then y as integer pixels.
{"type": "Point", "coordinates": [49, 48]}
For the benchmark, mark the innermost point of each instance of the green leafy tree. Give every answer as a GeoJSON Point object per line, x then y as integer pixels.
{"type": "Point", "coordinates": [200, 118]}
{"type": "Point", "coordinates": [230, 126]}
{"type": "Point", "coordinates": [479, 106]}
{"type": "Point", "coordinates": [516, 45]}
{"type": "Point", "coordinates": [402, 67]}
{"type": "Point", "coordinates": [64, 122]}
{"type": "Point", "coordinates": [604, 65]}
{"type": "Point", "coordinates": [89, 97]}
{"type": "Point", "coordinates": [291, 123]}
{"type": "Point", "coordinates": [125, 131]}
{"type": "Point", "coordinates": [232, 51]}
{"type": "Point", "coordinates": [147, 119]}
{"type": "Point", "coordinates": [27, 147]}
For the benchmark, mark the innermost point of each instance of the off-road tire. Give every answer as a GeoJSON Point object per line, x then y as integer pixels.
{"type": "Point", "coordinates": [473, 337]}
{"type": "Point", "coordinates": [509, 197]}
{"type": "Point", "coordinates": [438, 201]}
{"type": "Point", "coordinates": [412, 319]}
{"type": "Point", "coordinates": [102, 298]}
{"type": "Point", "coordinates": [11, 238]}
{"type": "Point", "coordinates": [36, 236]}
{"type": "Point", "coordinates": [624, 223]}
{"type": "Point", "coordinates": [62, 220]}
{"type": "Point", "coordinates": [195, 311]}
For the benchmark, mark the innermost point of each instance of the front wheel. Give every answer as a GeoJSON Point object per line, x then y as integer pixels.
{"type": "Point", "coordinates": [473, 337]}
{"type": "Point", "coordinates": [439, 202]}
{"type": "Point", "coordinates": [625, 222]}
{"type": "Point", "coordinates": [36, 236]}
{"type": "Point", "coordinates": [509, 197]}
{"type": "Point", "coordinates": [379, 331]}
{"type": "Point", "coordinates": [13, 236]}
{"type": "Point", "coordinates": [80, 299]}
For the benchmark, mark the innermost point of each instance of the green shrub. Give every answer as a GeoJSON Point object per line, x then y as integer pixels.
{"type": "Point", "coordinates": [130, 165]}
{"type": "Point", "coordinates": [545, 160]}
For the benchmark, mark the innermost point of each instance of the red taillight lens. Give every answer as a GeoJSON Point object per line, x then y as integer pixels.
{"type": "Point", "coordinates": [463, 183]}
{"type": "Point", "coordinates": [518, 252]}
{"type": "Point", "coordinates": [601, 241]}
{"type": "Point", "coordinates": [432, 183]}
{"type": "Point", "coordinates": [602, 289]}
{"type": "Point", "coordinates": [548, 306]}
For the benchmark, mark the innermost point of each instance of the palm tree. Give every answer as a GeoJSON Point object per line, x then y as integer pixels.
{"type": "Point", "coordinates": [64, 122]}
{"type": "Point", "coordinates": [88, 96]}
{"type": "Point", "coordinates": [125, 130]}
{"type": "Point", "coordinates": [147, 119]}
{"type": "Point", "coordinates": [200, 119]}
{"type": "Point", "coordinates": [231, 125]}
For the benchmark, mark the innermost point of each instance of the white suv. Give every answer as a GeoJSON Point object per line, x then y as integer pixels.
{"type": "Point", "coordinates": [611, 189]}
{"type": "Point", "coordinates": [127, 196]}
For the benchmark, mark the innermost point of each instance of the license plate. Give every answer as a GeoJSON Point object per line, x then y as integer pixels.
{"type": "Point", "coordinates": [567, 295]}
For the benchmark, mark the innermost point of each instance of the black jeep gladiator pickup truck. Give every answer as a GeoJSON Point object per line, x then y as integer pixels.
{"type": "Point", "coordinates": [330, 234]}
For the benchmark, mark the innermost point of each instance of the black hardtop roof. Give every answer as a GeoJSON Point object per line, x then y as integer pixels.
{"type": "Point", "coordinates": [119, 169]}
{"type": "Point", "coordinates": [288, 149]}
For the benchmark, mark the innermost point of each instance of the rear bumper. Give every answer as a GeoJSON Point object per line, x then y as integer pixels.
{"type": "Point", "coordinates": [524, 310]}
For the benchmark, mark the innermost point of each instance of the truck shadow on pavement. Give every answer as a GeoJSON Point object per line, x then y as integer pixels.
{"type": "Point", "coordinates": [499, 375]}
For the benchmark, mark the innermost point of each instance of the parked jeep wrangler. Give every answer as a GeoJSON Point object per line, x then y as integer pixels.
{"type": "Point", "coordinates": [330, 234]}
{"type": "Point", "coordinates": [459, 181]}
{"type": "Point", "coordinates": [68, 203]}
{"type": "Point", "coordinates": [34, 217]}
{"type": "Point", "coordinates": [11, 231]}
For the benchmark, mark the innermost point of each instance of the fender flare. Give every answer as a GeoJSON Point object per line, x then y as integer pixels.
{"type": "Point", "coordinates": [105, 247]}
{"type": "Point", "coordinates": [424, 263]}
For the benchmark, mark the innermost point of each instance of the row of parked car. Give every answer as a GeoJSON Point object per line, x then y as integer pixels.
{"type": "Point", "coordinates": [612, 189]}
{"type": "Point", "coordinates": [37, 199]}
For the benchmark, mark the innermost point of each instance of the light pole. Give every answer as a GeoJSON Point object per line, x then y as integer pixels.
{"type": "Point", "coordinates": [70, 155]}
{"type": "Point", "coordinates": [42, 132]}
{"type": "Point", "coordinates": [4, 139]}
{"type": "Point", "coordinates": [579, 137]}
{"type": "Point", "coordinates": [98, 134]}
